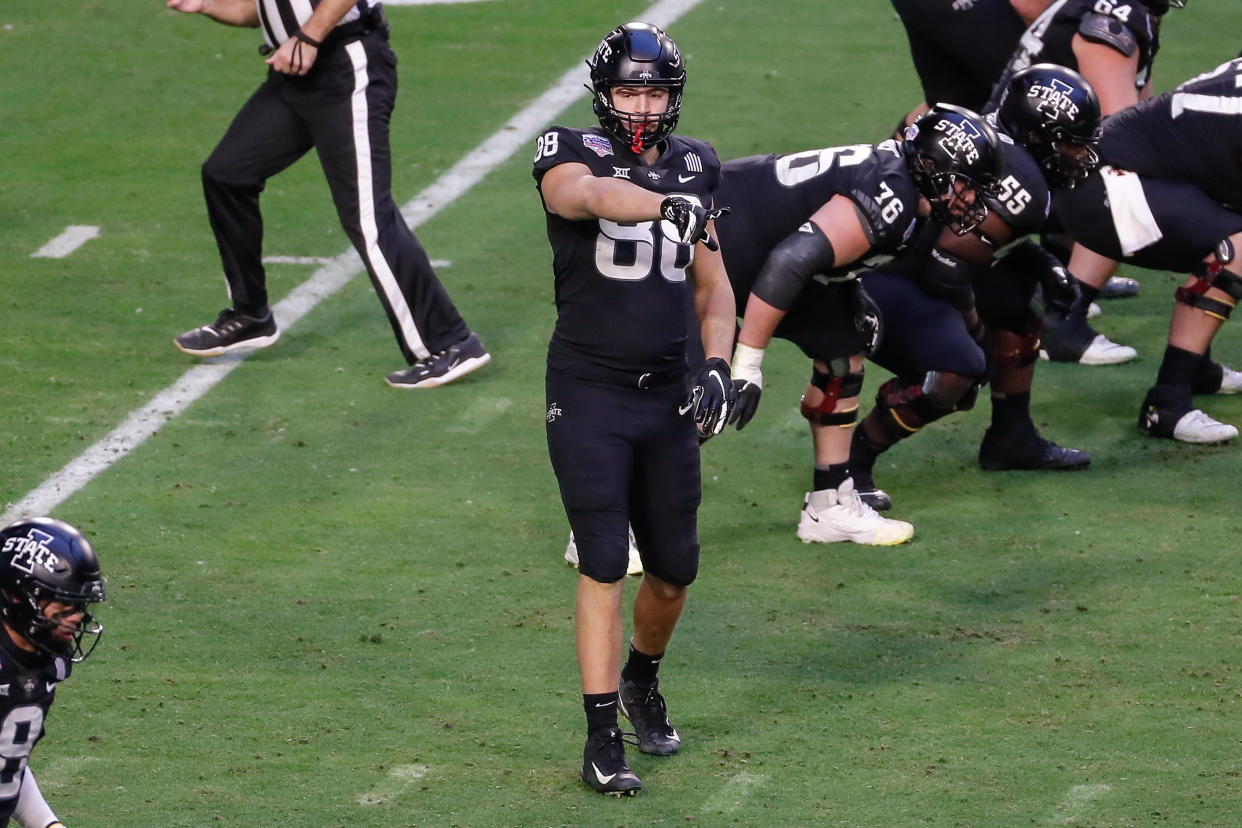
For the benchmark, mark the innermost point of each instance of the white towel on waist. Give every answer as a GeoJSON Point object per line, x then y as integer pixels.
{"type": "Point", "coordinates": [1136, 226]}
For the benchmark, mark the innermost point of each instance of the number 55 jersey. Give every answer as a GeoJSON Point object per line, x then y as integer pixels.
{"type": "Point", "coordinates": [622, 297]}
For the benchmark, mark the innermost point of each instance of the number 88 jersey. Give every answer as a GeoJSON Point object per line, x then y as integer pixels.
{"type": "Point", "coordinates": [622, 296]}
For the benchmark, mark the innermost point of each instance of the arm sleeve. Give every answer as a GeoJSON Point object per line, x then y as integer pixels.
{"type": "Point", "coordinates": [32, 810]}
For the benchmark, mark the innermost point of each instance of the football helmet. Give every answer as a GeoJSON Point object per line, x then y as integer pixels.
{"type": "Point", "coordinates": [44, 559]}
{"type": "Point", "coordinates": [1053, 111]}
{"type": "Point", "coordinates": [955, 160]}
{"type": "Point", "coordinates": [637, 54]}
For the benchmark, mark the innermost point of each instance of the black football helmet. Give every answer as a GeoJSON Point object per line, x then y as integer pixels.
{"type": "Point", "coordinates": [637, 54]}
{"type": "Point", "coordinates": [44, 559]}
{"type": "Point", "coordinates": [955, 160]}
{"type": "Point", "coordinates": [1053, 111]}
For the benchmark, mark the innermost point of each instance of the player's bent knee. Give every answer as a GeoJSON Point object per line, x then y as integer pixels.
{"type": "Point", "coordinates": [836, 384]}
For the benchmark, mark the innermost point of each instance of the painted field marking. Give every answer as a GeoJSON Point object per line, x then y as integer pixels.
{"type": "Point", "coordinates": [75, 236]}
{"type": "Point", "coordinates": [514, 135]}
{"type": "Point", "coordinates": [322, 260]}
{"type": "Point", "coordinates": [1073, 807]}
{"type": "Point", "coordinates": [730, 796]}
{"type": "Point", "coordinates": [482, 412]}
{"type": "Point", "coordinates": [401, 777]}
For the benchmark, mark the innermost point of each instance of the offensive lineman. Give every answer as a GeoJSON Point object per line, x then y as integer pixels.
{"type": "Point", "coordinates": [1171, 199]}
{"type": "Point", "coordinates": [629, 215]}
{"type": "Point", "coordinates": [800, 223]}
{"type": "Point", "coordinates": [49, 575]}
{"type": "Point", "coordinates": [959, 318]}
{"type": "Point", "coordinates": [1113, 44]}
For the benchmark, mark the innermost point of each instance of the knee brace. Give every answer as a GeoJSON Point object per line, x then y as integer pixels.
{"type": "Point", "coordinates": [1213, 275]}
{"type": "Point", "coordinates": [837, 383]}
{"type": "Point", "coordinates": [1014, 350]}
{"type": "Point", "coordinates": [905, 408]}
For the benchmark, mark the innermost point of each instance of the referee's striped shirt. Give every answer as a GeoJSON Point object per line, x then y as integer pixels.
{"type": "Point", "coordinates": [279, 19]}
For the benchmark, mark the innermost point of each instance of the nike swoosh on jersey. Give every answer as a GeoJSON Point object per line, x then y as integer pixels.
{"type": "Point", "coordinates": [603, 780]}
{"type": "Point", "coordinates": [682, 409]}
{"type": "Point", "coordinates": [684, 178]}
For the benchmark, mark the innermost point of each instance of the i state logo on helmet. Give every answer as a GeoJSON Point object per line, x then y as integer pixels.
{"type": "Point", "coordinates": [1055, 99]}
{"type": "Point", "coordinates": [31, 551]}
{"type": "Point", "coordinates": [959, 139]}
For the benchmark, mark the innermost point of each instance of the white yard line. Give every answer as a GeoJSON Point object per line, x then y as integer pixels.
{"type": "Point", "coordinates": [520, 130]}
{"type": "Point", "coordinates": [75, 236]}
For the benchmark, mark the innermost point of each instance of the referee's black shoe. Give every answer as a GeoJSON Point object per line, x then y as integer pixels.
{"type": "Point", "coordinates": [232, 330]}
{"type": "Point", "coordinates": [603, 764]}
{"type": "Point", "coordinates": [455, 361]}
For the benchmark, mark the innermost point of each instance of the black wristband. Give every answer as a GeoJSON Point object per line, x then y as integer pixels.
{"type": "Point", "coordinates": [307, 39]}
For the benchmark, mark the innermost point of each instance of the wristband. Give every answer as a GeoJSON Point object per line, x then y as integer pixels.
{"type": "Point", "coordinates": [307, 39]}
{"type": "Point", "coordinates": [747, 362]}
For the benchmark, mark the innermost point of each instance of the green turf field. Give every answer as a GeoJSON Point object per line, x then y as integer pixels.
{"type": "Point", "coordinates": [336, 604]}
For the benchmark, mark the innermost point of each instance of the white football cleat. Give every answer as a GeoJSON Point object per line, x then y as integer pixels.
{"type": "Point", "coordinates": [1197, 427]}
{"type": "Point", "coordinates": [1094, 310]}
{"type": "Point", "coordinates": [635, 566]}
{"type": "Point", "coordinates": [832, 515]}
{"type": "Point", "coordinates": [1230, 381]}
{"type": "Point", "coordinates": [1103, 351]}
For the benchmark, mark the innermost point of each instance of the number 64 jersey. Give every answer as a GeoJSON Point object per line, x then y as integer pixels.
{"type": "Point", "coordinates": [622, 297]}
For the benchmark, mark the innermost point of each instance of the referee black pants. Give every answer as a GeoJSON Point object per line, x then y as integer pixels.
{"type": "Point", "coordinates": [342, 108]}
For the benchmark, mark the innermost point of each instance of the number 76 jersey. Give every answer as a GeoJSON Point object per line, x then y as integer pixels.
{"type": "Point", "coordinates": [622, 296]}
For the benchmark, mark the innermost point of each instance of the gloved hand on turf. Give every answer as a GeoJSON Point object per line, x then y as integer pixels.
{"type": "Point", "coordinates": [711, 398]}
{"type": "Point", "coordinates": [691, 220]}
{"type": "Point", "coordinates": [747, 383]}
{"type": "Point", "coordinates": [1062, 292]}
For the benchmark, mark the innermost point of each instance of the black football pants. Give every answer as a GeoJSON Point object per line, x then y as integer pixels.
{"type": "Point", "coordinates": [341, 108]}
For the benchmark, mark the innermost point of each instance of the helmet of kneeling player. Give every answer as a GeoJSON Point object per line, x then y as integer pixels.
{"type": "Point", "coordinates": [955, 160]}
{"type": "Point", "coordinates": [44, 560]}
{"type": "Point", "coordinates": [1053, 111]}
{"type": "Point", "coordinates": [637, 54]}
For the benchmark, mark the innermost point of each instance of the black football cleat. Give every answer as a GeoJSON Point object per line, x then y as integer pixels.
{"type": "Point", "coordinates": [1028, 452]}
{"type": "Point", "coordinates": [603, 764]}
{"type": "Point", "coordinates": [869, 493]}
{"type": "Point", "coordinates": [643, 705]}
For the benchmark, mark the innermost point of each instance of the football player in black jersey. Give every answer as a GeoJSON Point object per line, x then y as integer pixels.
{"type": "Point", "coordinates": [960, 47]}
{"type": "Point", "coordinates": [1113, 44]}
{"type": "Point", "coordinates": [1170, 198]}
{"type": "Point", "coordinates": [49, 577]}
{"type": "Point", "coordinates": [630, 220]}
{"type": "Point", "coordinates": [801, 223]}
{"type": "Point", "coordinates": [957, 319]}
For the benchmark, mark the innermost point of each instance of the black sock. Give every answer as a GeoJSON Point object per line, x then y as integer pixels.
{"type": "Point", "coordinates": [1208, 375]}
{"type": "Point", "coordinates": [1178, 367]}
{"type": "Point", "coordinates": [641, 668]}
{"type": "Point", "coordinates": [601, 710]}
{"type": "Point", "coordinates": [1011, 412]}
{"type": "Point", "coordinates": [1089, 293]}
{"type": "Point", "coordinates": [830, 476]}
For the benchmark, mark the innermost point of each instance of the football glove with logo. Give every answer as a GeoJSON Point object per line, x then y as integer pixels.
{"type": "Point", "coordinates": [711, 397]}
{"type": "Point", "coordinates": [691, 220]}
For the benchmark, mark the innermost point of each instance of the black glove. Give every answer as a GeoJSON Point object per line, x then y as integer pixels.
{"type": "Point", "coordinates": [691, 220]}
{"type": "Point", "coordinates": [747, 402]}
{"type": "Point", "coordinates": [747, 383]}
{"type": "Point", "coordinates": [1062, 293]}
{"type": "Point", "coordinates": [711, 397]}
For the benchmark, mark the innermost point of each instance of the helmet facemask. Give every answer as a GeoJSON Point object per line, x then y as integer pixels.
{"type": "Point", "coordinates": [957, 199]}
{"type": "Point", "coordinates": [1064, 158]}
{"type": "Point", "coordinates": [25, 613]}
